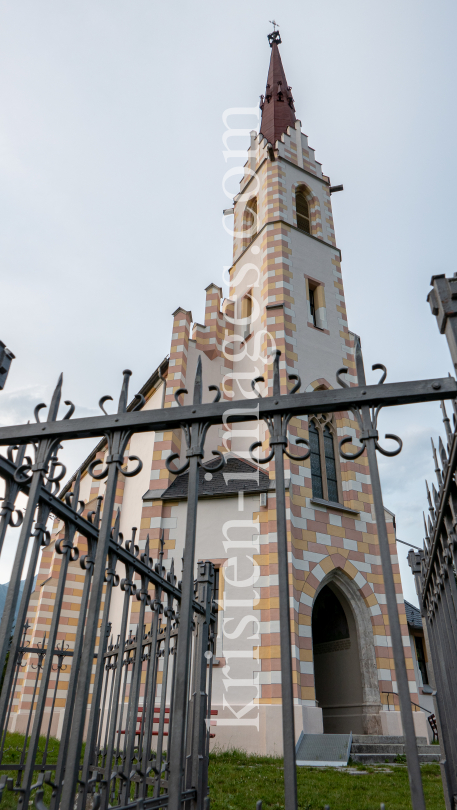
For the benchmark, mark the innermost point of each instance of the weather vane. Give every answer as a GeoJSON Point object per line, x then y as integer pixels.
{"type": "Point", "coordinates": [275, 36]}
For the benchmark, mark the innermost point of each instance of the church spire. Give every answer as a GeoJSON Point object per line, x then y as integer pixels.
{"type": "Point", "coordinates": [278, 111]}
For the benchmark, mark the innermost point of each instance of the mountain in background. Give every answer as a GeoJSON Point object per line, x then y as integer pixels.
{"type": "Point", "coordinates": [4, 591]}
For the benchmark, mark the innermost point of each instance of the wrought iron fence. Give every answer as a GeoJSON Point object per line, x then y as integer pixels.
{"type": "Point", "coordinates": [127, 749]}
{"type": "Point", "coordinates": [124, 761]}
{"type": "Point", "coordinates": [435, 568]}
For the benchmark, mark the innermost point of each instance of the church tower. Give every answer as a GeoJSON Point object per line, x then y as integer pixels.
{"type": "Point", "coordinates": [286, 293]}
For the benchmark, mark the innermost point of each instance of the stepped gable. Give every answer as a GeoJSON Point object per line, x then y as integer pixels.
{"type": "Point", "coordinates": [413, 615]}
{"type": "Point", "coordinates": [253, 480]}
{"type": "Point", "coordinates": [277, 105]}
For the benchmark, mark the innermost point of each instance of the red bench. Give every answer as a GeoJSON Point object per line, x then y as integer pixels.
{"type": "Point", "coordinates": [139, 721]}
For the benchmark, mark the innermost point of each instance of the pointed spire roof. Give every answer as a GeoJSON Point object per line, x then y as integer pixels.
{"type": "Point", "coordinates": [278, 111]}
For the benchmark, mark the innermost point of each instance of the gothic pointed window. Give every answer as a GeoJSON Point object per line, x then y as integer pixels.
{"type": "Point", "coordinates": [302, 210]}
{"type": "Point", "coordinates": [324, 474]}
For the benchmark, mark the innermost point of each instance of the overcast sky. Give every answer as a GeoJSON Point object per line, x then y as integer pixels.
{"type": "Point", "coordinates": [111, 186]}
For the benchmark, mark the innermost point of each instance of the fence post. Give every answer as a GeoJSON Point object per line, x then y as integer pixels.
{"type": "Point", "coordinates": [415, 563]}
{"type": "Point", "coordinates": [443, 303]}
{"type": "Point", "coordinates": [197, 775]}
{"type": "Point", "coordinates": [87, 565]}
{"type": "Point", "coordinates": [180, 703]}
{"type": "Point", "coordinates": [277, 426]}
{"type": "Point", "coordinates": [369, 438]}
{"type": "Point", "coordinates": [117, 443]}
{"type": "Point", "coordinates": [195, 438]}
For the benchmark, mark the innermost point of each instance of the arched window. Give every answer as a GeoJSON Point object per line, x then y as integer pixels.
{"type": "Point", "coordinates": [324, 475]}
{"type": "Point", "coordinates": [250, 218]}
{"type": "Point", "coordinates": [316, 470]}
{"type": "Point", "coordinates": [302, 210]}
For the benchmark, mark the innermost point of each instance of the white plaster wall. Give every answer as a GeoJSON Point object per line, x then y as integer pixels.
{"type": "Point", "coordinates": [319, 354]}
{"type": "Point", "coordinates": [141, 445]}
{"type": "Point", "coordinates": [238, 655]}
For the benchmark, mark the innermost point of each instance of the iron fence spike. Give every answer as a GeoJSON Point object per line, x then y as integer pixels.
{"type": "Point", "coordinates": [443, 453]}
{"type": "Point", "coordinates": [437, 466]}
{"type": "Point", "coordinates": [123, 398]}
{"type": "Point", "coordinates": [446, 422]}
{"type": "Point", "coordinates": [429, 497]}
{"type": "Point", "coordinates": [76, 489]}
{"type": "Point", "coordinates": [425, 526]}
{"type": "Point", "coordinates": [198, 383]}
{"type": "Point", "coordinates": [55, 401]}
{"type": "Point", "coordinates": [276, 374]}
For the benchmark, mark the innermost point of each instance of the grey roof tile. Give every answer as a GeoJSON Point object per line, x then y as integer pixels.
{"type": "Point", "coordinates": [413, 616]}
{"type": "Point", "coordinates": [236, 476]}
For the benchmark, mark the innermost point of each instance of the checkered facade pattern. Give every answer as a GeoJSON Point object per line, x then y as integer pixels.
{"type": "Point", "coordinates": [322, 537]}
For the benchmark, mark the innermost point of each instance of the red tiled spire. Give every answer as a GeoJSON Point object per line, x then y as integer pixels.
{"type": "Point", "coordinates": [278, 111]}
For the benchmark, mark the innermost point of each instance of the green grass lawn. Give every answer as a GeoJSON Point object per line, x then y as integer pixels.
{"type": "Point", "coordinates": [12, 754]}
{"type": "Point", "coordinates": [237, 781]}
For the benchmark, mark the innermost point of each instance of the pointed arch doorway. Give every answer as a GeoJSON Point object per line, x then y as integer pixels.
{"type": "Point", "coordinates": [345, 674]}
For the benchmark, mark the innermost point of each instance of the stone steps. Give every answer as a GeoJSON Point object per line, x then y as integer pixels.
{"type": "Point", "coordinates": [373, 748]}
{"type": "Point", "coordinates": [384, 739]}
{"type": "Point", "coordinates": [373, 759]}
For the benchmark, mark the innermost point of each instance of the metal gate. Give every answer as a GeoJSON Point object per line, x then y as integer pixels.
{"type": "Point", "coordinates": [121, 764]}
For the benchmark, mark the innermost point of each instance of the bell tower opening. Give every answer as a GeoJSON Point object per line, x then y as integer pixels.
{"type": "Point", "coordinates": [337, 675]}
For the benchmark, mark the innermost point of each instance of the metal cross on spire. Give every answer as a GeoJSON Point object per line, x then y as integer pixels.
{"type": "Point", "coordinates": [275, 36]}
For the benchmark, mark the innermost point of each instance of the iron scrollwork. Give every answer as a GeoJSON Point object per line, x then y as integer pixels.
{"type": "Point", "coordinates": [46, 462]}
{"type": "Point", "coordinates": [195, 434]}
{"type": "Point", "coordinates": [117, 440]}
{"type": "Point", "coordinates": [12, 489]}
{"type": "Point", "coordinates": [367, 421]}
{"type": "Point", "coordinates": [278, 425]}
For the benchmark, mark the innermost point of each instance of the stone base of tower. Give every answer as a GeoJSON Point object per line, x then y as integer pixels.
{"type": "Point", "coordinates": [392, 725]}
{"type": "Point", "coordinates": [357, 718]}
{"type": "Point", "coordinates": [263, 735]}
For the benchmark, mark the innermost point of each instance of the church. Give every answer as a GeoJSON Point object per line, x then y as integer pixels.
{"type": "Point", "coordinates": [286, 293]}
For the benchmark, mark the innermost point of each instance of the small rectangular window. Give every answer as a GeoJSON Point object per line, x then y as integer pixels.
{"type": "Point", "coordinates": [317, 315]}
{"type": "Point", "coordinates": [312, 306]}
{"type": "Point", "coordinates": [246, 313]}
{"type": "Point", "coordinates": [216, 596]}
{"type": "Point", "coordinates": [420, 654]}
